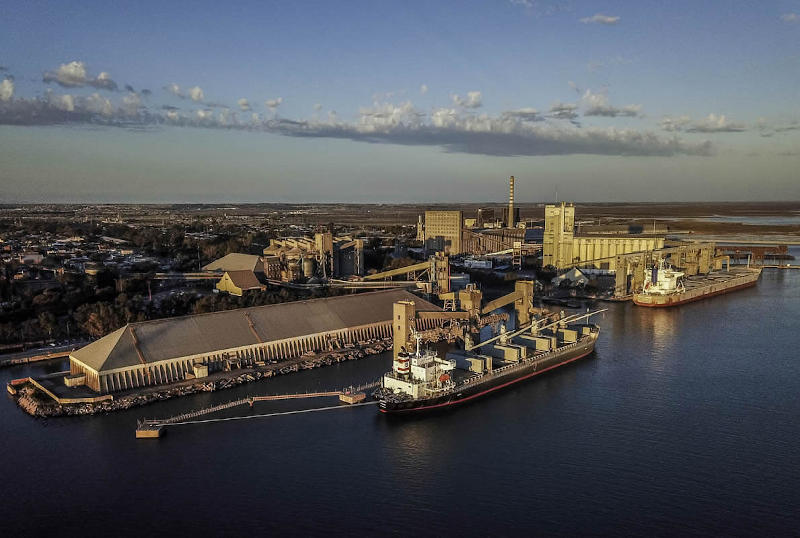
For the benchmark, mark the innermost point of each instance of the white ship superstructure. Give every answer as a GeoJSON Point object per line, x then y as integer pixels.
{"type": "Point", "coordinates": [420, 375]}
{"type": "Point", "coordinates": [662, 280]}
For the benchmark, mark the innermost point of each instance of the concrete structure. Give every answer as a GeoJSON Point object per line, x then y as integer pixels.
{"type": "Point", "coordinates": [165, 351]}
{"type": "Point", "coordinates": [563, 249]}
{"type": "Point", "coordinates": [510, 216]}
{"type": "Point", "coordinates": [324, 255]}
{"type": "Point", "coordinates": [443, 231]}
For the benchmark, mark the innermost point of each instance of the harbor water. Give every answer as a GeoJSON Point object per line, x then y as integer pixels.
{"type": "Point", "coordinates": [683, 422]}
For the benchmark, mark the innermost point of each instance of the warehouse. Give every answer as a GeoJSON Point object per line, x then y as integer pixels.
{"type": "Point", "coordinates": [165, 351]}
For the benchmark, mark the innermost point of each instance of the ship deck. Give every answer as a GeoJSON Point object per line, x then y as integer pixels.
{"type": "Point", "coordinates": [718, 277]}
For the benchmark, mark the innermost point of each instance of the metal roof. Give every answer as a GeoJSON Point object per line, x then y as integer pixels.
{"type": "Point", "coordinates": [171, 338]}
{"type": "Point", "coordinates": [235, 262]}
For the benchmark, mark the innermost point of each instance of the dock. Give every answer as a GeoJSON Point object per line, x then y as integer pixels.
{"type": "Point", "coordinates": [352, 396]}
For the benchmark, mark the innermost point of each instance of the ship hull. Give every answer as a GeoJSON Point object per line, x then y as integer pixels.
{"type": "Point", "coordinates": [676, 299]}
{"type": "Point", "coordinates": [481, 389]}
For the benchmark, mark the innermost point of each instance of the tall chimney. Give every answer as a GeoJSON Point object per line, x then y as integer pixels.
{"type": "Point", "coordinates": [511, 202]}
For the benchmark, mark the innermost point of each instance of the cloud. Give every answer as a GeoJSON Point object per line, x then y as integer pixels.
{"type": "Point", "coordinates": [673, 124]}
{"type": "Point", "coordinates": [600, 19]}
{"type": "Point", "coordinates": [790, 17]}
{"type": "Point", "coordinates": [6, 89]}
{"type": "Point", "coordinates": [62, 102]}
{"type": "Point", "coordinates": [75, 75]}
{"type": "Point", "coordinates": [498, 136]}
{"type": "Point", "coordinates": [524, 114]}
{"type": "Point", "coordinates": [244, 105]}
{"type": "Point", "coordinates": [710, 124]}
{"type": "Point", "coordinates": [596, 104]}
{"type": "Point", "coordinates": [472, 100]}
{"type": "Point", "coordinates": [196, 94]}
{"type": "Point", "coordinates": [317, 106]}
{"type": "Point", "coordinates": [767, 129]}
{"type": "Point", "coordinates": [131, 104]}
{"type": "Point", "coordinates": [788, 153]}
{"type": "Point", "coordinates": [274, 103]}
{"type": "Point", "coordinates": [3, 68]}
{"type": "Point", "coordinates": [175, 90]}
{"type": "Point", "coordinates": [146, 92]}
{"type": "Point", "coordinates": [511, 133]}
{"type": "Point", "coordinates": [542, 7]}
{"type": "Point", "coordinates": [97, 104]}
{"type": "Point", "coordinates": [423, 89]}
{"type": "Point", "coordinates": [563, 111]}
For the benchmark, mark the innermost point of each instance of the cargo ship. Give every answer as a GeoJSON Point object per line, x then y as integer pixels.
{"type": "Point", "coordinates": [664, 286]}
{"type": "Point", "coordinates": [423, 381]}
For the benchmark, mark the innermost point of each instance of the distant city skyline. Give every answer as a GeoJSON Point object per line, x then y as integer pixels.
{"type": "Point", "coordinates": [409, 102]}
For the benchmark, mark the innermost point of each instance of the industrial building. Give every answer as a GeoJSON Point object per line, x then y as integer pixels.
{"type": "Point", "coordinates": [241, 273]}
{"type": "Point", "coordinates": [325, 255]}
{"type": "Point", "coordinates": [443, 231]}
{"type": "Point", "coordinates": [562, 248]}
{"type": "Point", "coordinates": [173, 349]}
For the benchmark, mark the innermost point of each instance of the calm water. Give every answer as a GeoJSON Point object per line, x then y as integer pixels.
{"type": "Point", "coordinates": [683, 422]}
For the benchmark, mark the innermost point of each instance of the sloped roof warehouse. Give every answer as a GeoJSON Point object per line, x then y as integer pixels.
{"type": "Point", "coordinates": [165, 350]}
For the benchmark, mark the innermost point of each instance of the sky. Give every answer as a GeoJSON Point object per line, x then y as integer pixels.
{"type": "Point", "coordinates": [377, 101]}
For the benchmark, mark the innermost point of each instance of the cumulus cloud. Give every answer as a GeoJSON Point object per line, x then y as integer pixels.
{"type": "Point", "coordinates": [131, 104]}
{"type": "Point", "coordinates": [790, 17]}
{"type": "Point", "coordinates": [472, 100]}
{"type": "Point", "coordinates": [423, 89]}
{"type": "Point", "coordinates": [600, 19]}
{"type": "Point", "coordinates": [75, 75]}
{"type": "Point", "coordinates": [65, 103]}
{"type": "Point", "coordinates": [244, 105]}
{"type": "Point", "coordinates": [98, 104]}
{"type": "Point", "coordinates": [710, 124]}
{"type": "Point", "coordinates": [175, 90]}
{"type": "Point", "coordinates": [196, 94]}
{"type": "Point", "coordinates": [563, 111]}
{"type": "Point", "coordinates": [6, 89]}
{"type": "Point", "coordinates": [513, 133]}
{"type": "Point", "coordinates": [274, 103]}
{"type": "Point", "coordinates": [486, 135]}
{"type": "Point", "coordinates": [596, 104]}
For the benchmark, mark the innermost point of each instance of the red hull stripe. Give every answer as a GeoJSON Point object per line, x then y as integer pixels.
{"type": "Point", "coordinates": [488, 390]}
{"type": "Point", "coordinates": [718, 292]}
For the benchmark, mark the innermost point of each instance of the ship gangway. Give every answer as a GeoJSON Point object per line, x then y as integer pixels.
{"type": "Point", "coordinates": [355, 395]}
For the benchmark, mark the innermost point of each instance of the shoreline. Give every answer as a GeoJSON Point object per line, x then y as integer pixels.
{"type": "Point", "coordinates": [39, 405]}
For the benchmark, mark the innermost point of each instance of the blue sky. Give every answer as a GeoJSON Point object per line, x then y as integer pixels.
{"type": "Point", "coordinates": [399, 101]}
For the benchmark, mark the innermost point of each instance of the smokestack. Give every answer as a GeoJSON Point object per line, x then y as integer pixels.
{"type": "Point", "coordinates": [511, 202]}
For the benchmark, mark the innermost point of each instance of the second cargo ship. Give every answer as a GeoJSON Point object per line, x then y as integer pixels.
{"type": "Point", "coordinates": [664, 286]}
